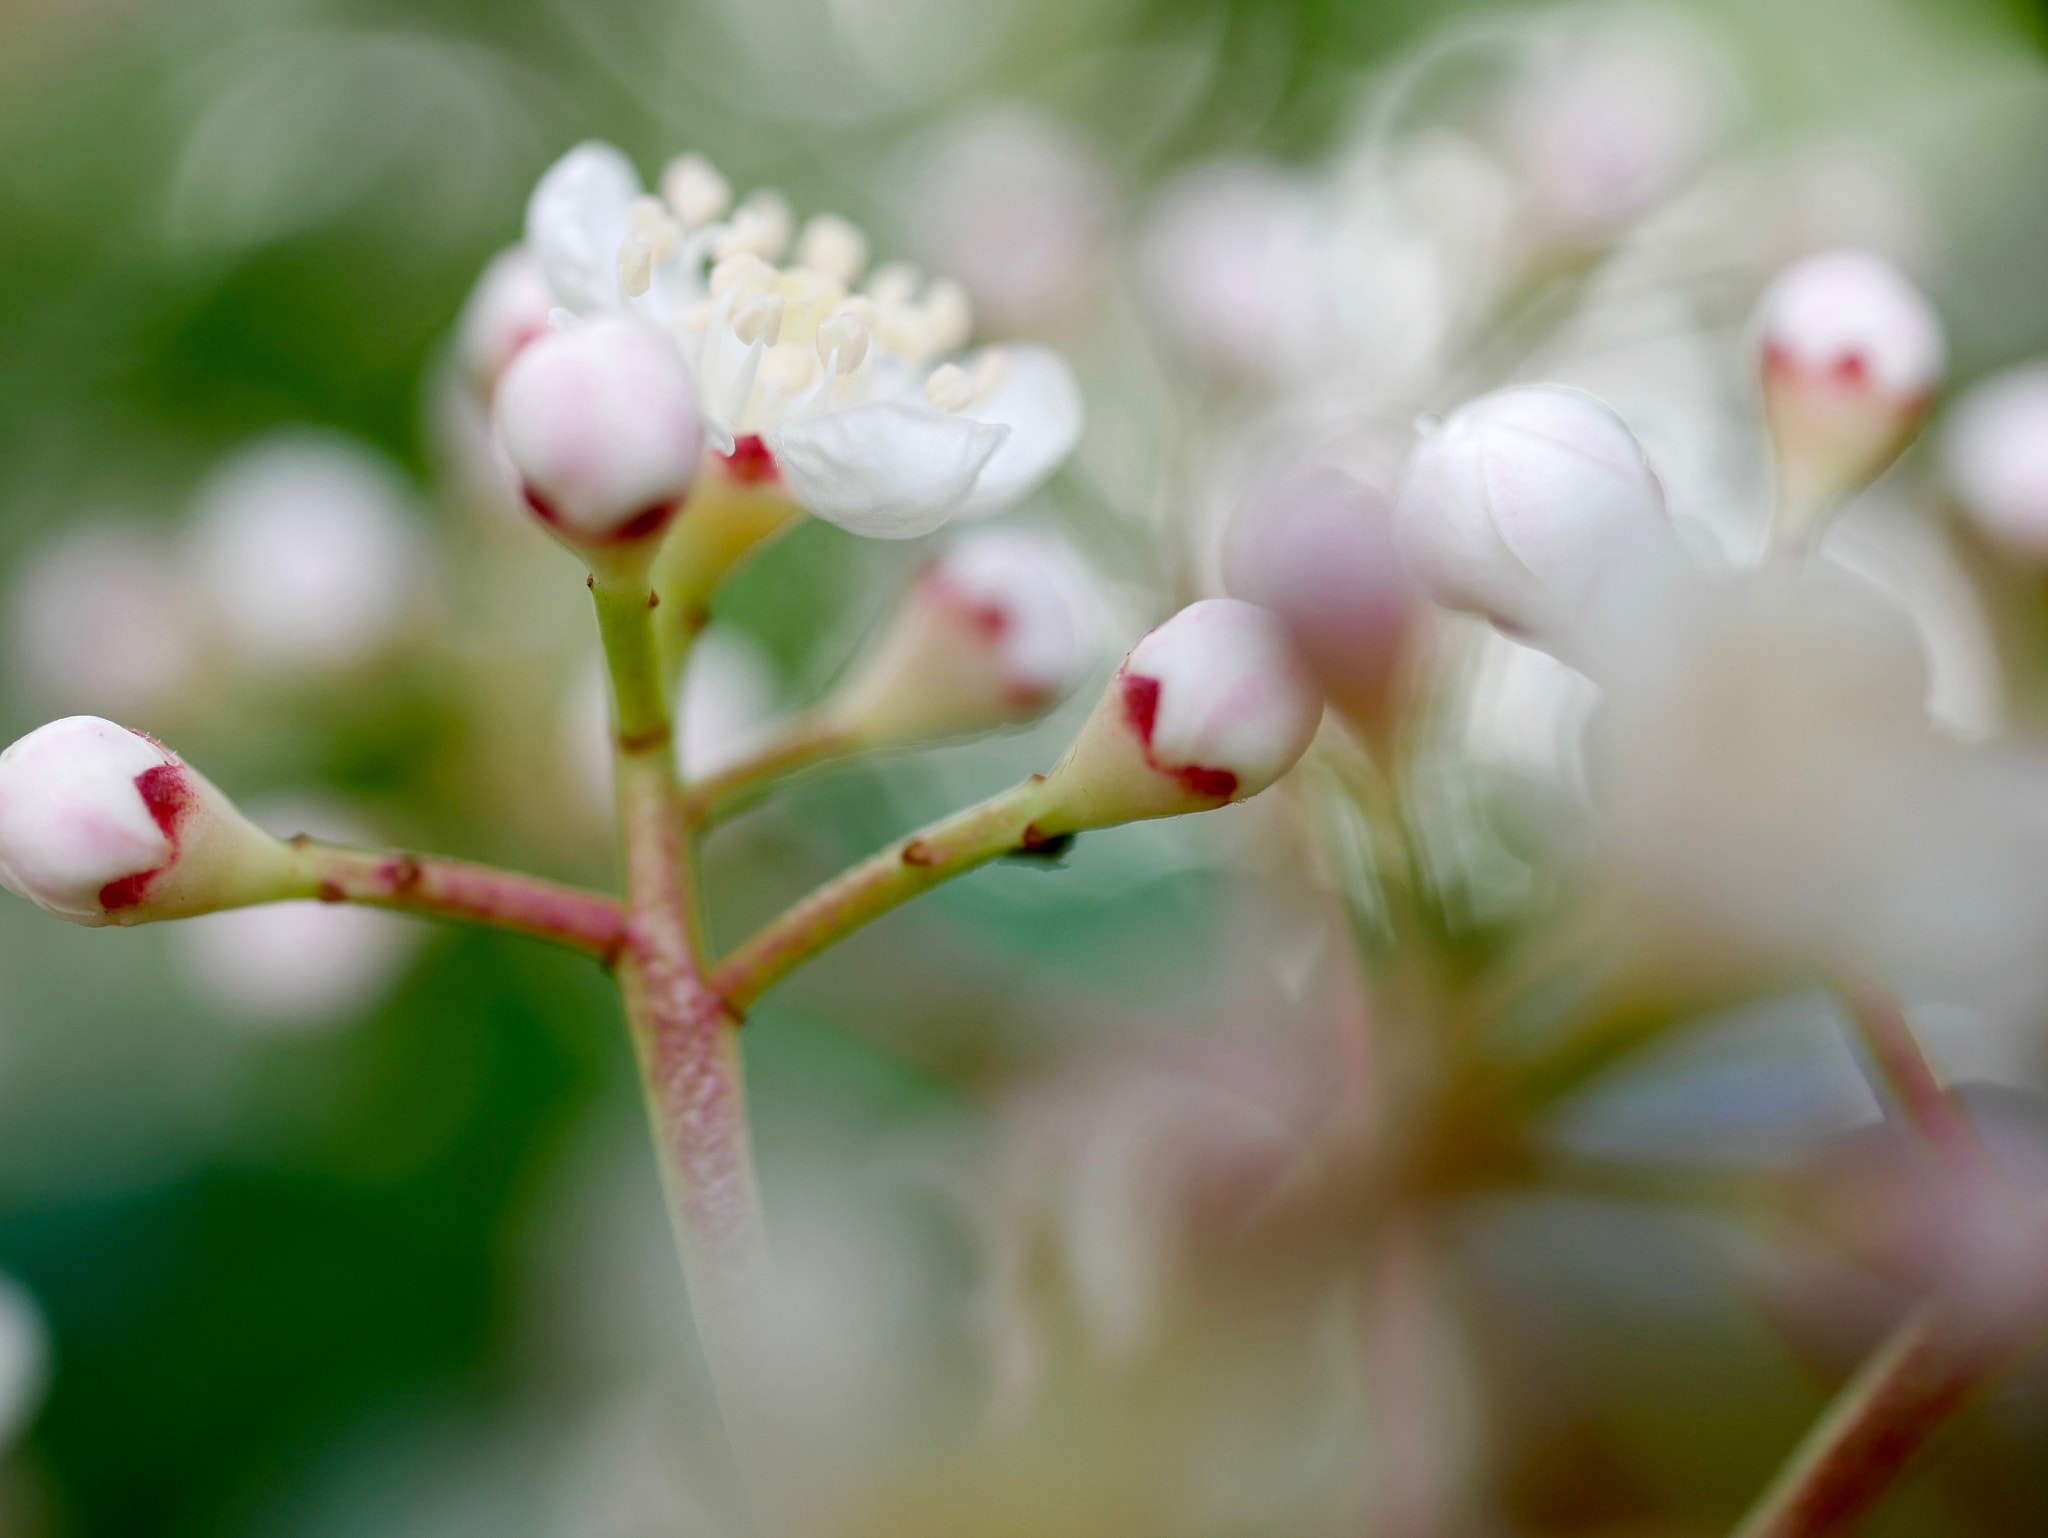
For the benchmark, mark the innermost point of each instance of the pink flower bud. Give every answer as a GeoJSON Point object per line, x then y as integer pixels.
{"type": "Point", "coordinates": [1316, 546]}
{"type": "Point", "coordinates": [1212, 707]}
{"type": "Point", "coordinates": [1519, 501]}
{"type": "Point", "coordinates": [101, 825]}
{"type": "Point", "coordinates": [996, 630]}
{"type": "Point", "coordinates": [508, 308]}
{"type": "Point", "coordinates": [1996, 454]}
{"type": "Point", "coordinates": [1852, 354]}
{"type": "Point", "coordinates": [600, 420]}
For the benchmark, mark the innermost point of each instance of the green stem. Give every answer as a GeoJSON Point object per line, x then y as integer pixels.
{"type": "Point", "coordinates": [882, 881]}
{"type": "Point", "coordinates": [684, 1038]}
{"type": "Point", "coordinates": [808, 740]}
{"type": "Point", "coordinates": [1920, 1377]}
{"type": "Point", "coordinates": [436, 887]}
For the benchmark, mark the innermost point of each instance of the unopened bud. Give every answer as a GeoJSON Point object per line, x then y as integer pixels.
{"type": "Point", "coordinates": [1852, 354]}
{"type": "Point", "coordinates": [1210, 708]}
{"type": "Point", "coordinates": [1518, 502]}
{"type": "Point", "coordinates": [507, 309]}
{"type": "Point", "coordinates": [995, 631]}
{"type": "Point", "coordinates": [834, 247]}
{"type": "Point", "coordinates": [695, 191]}
{"type": "Point", "coordinates": [601, 422]}
{"type": "Point", "coordinates": [1316, 546]}
{"type": "Point", "coordinates": [101, 825]}
{"type": "Point", "coordinates": [1996, 455]}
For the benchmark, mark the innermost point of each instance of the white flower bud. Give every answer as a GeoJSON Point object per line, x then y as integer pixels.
{"type": "Point", "coordinates": [101, 825]}
{"type": "Point", "coordinates": [100, 621]}
{"type": "Point", "coordinates": [1852, 354]}
{"type": "Point", "coordinates": [1316, 546]}
{"type": "Point", "coordinates": [1212, 707]}
{"type": "Point", "coordinates": [1996, 454]}
{"type": "Point", "coordinates": [1519, 501]}
{"type": "Point", "coordinates": [601, 422]}
{"type": "Point", "coordinates": [305, 550]}
{"type": "Point", "coordinates": [995, 631]}
{"type": "Point", "coordinates": [508, 308]}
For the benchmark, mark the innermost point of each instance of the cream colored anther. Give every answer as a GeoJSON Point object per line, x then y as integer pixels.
{"type": "Point", "coordinates": [762, 225]}
{"type": "Point", "coordinates": [949, 388]}
{"type": "Point", "coordinates": [636, 266]}
{"type": "Point", "coordinates": [948, 319]}
{"type": "Point", "coordinates": [843, 342]}
{"type": "Point", "coordinates": [743, 277]}
{"type": "Point", "coordinates": [760, 321]}
{"type": "Point", "coordinates": [834, 247]}
{"type": "Point", "coordinates": [694, 190]}
{"type": "Point", "coordinates": [991, 368]}
{"type": "Point", "coordinates": [651, 237]}
{"type": "Point", "coordinates": [893, 283]}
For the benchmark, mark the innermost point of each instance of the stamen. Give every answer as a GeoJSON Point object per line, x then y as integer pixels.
{"type": "Point", "coordinates": [893, 283]}
{"type": "Point", "coordinates": [811, 297]}
{"type": "Point", "coordinates": [744, 276]}
{"type": "Point", "coordinates": [695, 190]}
{"type": "Point", "coordinates": [843, 342]}
{"type": "Point", "coordinates": [650, 220]}
{"type": "Point", "coordinates": [948, 319]}
{"type": "Point", "coordinates": [762, 225]}
{"type": "Point", "coordinates": [949, 388]}
{"type": "Point", "coordinates": [834, 247]}
{"type": "Point", "coordinates": [636, 266]}
{"type": "Point", "coordinates": [760, 321]}
{"type": "Point", "coordinates": [991, 368]}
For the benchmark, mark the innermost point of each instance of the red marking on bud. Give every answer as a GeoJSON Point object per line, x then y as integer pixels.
{"type": "Point", "coordinates": [1220, 783]}
{"type": "Point", "coordinates": [750, 461]}
{"type": "Point", "coordinates": [918, 852]}
{"type": "Point", "coordinates": [125, 892]}
{"type": "Point", "coordinates": [165, 792]}
{"type": "Point", "coordinates": [542, 508]}
{"type": "Point", "coordinates": [1851, 369]}
{"type": "Point", "coordinates": [649, 520]}
{"type": "Point", "coordinates": [1141, 705]}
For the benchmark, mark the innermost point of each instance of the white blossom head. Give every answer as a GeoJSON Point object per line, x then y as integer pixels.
{"type": "Point", "coordinates": [1852, 354]}
{"type": "Point", "coordinates": [1995, 450]}
{"type": "Point", "coordinates": [600, 421]}
{"type": "Point", "coordinates": [101, 825]}
{"type": "Point", "coordinates": [1315, 545]}
{"type": "Point", "coordinates": [1212, 707]}
{"type": "Point", "coordinates": [996, 630]}
{"type": "Point", "coordinates": [1608, 121]}
{"type": "Point", "coordinates": [306, 550]}
{"type": "Point", "coordinates": [100, 621]}
{"type": "Point", "coordinates": [1236, 262]}
{"type": "Point", "coordinates": [1018, 209]}
{"type": "Point", "coordinates": [850, 389]}
{"type": "Point", "coordinates": [1518, 504]}
{"type": "Point", "coordinates": [508, 308]}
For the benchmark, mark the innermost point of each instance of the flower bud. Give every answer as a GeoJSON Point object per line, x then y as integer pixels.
{"type": "Point", "coordinates": [995, 631]}
{"type": "Point", "coordinates": [508, 308]}
{"type": "Point", "coordinates": [101, 825]}
{"type": "Point", "coordinates": [1316, 546]}
{"type": "Point", "coordinates": [1852, 354]}
{"type": "Point", "coordinates": [1212, 707]}
{"type": "Point", "coordinates": [1518, 502]}
{"type": "Point", "coordinates": [601, 422]}
{"type": "Point", "coordinates": [1996, 455]}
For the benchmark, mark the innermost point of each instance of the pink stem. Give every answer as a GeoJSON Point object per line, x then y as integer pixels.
{"type": "Point", "coordinates": [436, 887]}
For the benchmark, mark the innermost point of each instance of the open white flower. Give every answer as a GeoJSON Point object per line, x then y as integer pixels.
{"type": "Point", "coordinates": [862, 400]}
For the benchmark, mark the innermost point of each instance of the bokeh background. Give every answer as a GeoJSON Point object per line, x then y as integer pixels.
{"type": "Point", "coordinates": [379, 1251]}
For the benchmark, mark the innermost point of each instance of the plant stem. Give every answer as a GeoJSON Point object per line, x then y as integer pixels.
{"type": "Point", "coordinates": [683, 1037]}
{"type": "Point", "coordinates": [807, 740]}
{"type": "Point", "coordinates": [882, 881]}
{"type": "Point", "coordinates": [437, 887]}
{"type": "Point", "coordinates": [1918, 1097]}
{"type": "Point", "coordinates": [1921, 1375]}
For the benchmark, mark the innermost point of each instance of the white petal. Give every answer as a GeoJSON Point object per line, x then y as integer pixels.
{"type": "Point", "coordinates": [892, 470]}
{"type": "Point", "coordinates": [577, 218]}
{"type": "Point", "coordinates": [1041, 405]}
